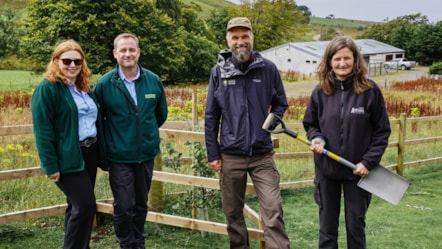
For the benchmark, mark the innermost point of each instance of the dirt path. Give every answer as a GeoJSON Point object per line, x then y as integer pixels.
{"type": "Point", "coordinates": [304, 88]}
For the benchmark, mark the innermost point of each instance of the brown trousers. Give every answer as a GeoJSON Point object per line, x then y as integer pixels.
{"type": "Point", "coordinates": [233, 180]}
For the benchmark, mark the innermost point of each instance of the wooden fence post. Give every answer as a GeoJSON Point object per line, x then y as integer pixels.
{"type": "Point", "coordinates": [156, 193]}
{"type": "Point", "coordinates": [262, 244]}
{"type": "Point", "coordinates": [401, 144]}
{"type": "Point", "coordinates": [194, 107]}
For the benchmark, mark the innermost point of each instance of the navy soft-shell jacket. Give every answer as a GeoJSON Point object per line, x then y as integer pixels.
{"type": "Point", "coordinates": [355, 126]}
{"type": "Point", "coordinates": [238, 102]}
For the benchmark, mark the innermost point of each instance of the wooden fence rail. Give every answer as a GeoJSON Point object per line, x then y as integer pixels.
{"type": "Point", "coordinates": [104, 206]}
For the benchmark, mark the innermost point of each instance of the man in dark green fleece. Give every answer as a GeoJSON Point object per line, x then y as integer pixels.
{"type": "Point", "coordinates": [134, 106]}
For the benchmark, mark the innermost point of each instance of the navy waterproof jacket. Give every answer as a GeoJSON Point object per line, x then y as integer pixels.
{"type": "Point", "coordinates": [355, 126]}
{"type": "Point", "coordinates": [238, 102]}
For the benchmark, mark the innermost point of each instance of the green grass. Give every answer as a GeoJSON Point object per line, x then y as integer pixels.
{"type": "Point", "coordinates": [408, 225]}
{"type": "Point", "coordinates": [13, 80]}
{"type": "Point", "coordinates": [18, 80]}
{"type": "Point", "coordinates": [208, 5]}
{"type": "Point", "coordinates": [349, 27]}
{"type": "Point", "coordinates": [339, 22]}
{"type": "Point", "coordinates": [411, 224]}
{"type": "Point", "coordinates": [414, 223]}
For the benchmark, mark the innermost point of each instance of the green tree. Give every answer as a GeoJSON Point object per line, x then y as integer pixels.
{"type": "Point", "coordinates": [392, 31]}
{"type": "Point", "coordinates": [305, 12]}
{"type": "Point", "coordinates": [436, 68]}
{"type": "Point", "coordinates": [9, 32]}
{"type": "Point", "coordinates": [270, 29]}
{"type": "Point", "coordinates": [199, 60]}
{"type": "Point", "coordinates": [217, 22]}
{"type": "Point", "coordinates": [405, 32]}
{"type": "Point", "coordinates": [201, 51]}
{"type": "Point", "coordinates": [170, 7]}
{"type": "Point", "coordinates": [94, 24]}
{"type": "Point", "coordinates": [428, 43]}
{"type": "Point", "coordinates": [173, 41]}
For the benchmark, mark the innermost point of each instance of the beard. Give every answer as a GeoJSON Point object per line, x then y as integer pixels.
{"type": "Point", "coordinates": [242, 55]}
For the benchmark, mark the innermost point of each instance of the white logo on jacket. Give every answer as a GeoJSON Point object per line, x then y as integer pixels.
{"type": "Point", "coordinates": [229, 82]}
{"type": "Point", "coordinates": [357, 110]}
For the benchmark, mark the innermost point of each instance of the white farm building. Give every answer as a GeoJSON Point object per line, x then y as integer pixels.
{"type": "Point", "coordinates": [304, 57]}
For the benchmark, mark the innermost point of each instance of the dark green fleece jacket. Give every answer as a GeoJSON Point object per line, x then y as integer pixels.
{"type": "Point", "coordinates": [132, 131]}
{"type": "Point", "coordinates": [55, 123]}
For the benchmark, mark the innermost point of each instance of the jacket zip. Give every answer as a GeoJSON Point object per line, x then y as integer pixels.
{"type": "Point", "coordinates": [250, 152]}
{"type": "Point", "coordinates": [131, 102]}
{"type": "Point", "coordinates": [341, 129]}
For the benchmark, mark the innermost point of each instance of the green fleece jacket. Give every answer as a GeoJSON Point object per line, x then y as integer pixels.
{"type": "Point", "coordinates": [132, 131]}
{"type": "Point", "coordinates": [55, 123]}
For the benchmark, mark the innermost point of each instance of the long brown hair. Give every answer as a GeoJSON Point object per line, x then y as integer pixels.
{"type": "Point", "coordinates": [53, 70]}
{"type": "Point", "coordinates": [325, 71]}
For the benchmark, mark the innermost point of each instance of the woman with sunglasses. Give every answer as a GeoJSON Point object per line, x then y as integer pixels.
{"type": "Point", "coordinates": [68, 137]}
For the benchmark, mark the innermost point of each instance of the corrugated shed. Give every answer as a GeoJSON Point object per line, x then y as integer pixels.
{"type": "Point", "coordinates": [317, 48]}
{"type": "Point", "coordinates": [304, 57]}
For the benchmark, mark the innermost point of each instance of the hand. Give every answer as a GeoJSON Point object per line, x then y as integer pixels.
{"type": "Point", "coordinates": [216, 165]}
{"type": "Point", "coordinates": [54, 177]}
{"type": "Point", "coordinates": [361, 170]}
{"type": "Point", "coordinates": [317, 146]}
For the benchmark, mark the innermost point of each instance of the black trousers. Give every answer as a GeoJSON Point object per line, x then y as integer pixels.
{"type": "Point", "coordinates": [80, 197]}
{"type": "Point", "coordinates": [130, 184]}
{"type": "Point", "coordinates": [328, 195]}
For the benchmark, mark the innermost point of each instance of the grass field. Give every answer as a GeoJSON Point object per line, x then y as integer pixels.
{"type": "Point", "coordinates": [18, 80]}
{"type": "Point", "coordinates": [208, 5]}
{"type": "Point", "coordinates": [339, 22]}
{"type": "Point", "coordinates": [352, 28]}
{"type": "Point", "coordinates": [408, 225]}
{"type": "Point", "coordinates": [414, 223]}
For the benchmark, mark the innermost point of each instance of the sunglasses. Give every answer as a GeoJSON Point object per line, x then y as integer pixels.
{"type": "Point", "coordinates": [68, 62]}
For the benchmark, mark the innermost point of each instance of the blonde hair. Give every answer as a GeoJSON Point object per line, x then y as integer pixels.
{"type": "Point", "coordinates": [325, 71]}
{"type": "Point", "coordinates": [53, 71]}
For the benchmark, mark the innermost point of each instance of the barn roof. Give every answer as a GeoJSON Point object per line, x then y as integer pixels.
{"type": "Point", "coordinates": [317, 48]}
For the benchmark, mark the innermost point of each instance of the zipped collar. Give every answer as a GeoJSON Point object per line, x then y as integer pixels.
{"type": "Point", "coordinates": [345, 84]}
{"type": "Point", "coordinates": [231, 67]}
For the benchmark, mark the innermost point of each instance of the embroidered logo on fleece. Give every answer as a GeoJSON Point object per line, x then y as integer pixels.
{"type": "Point", "coordinates": [357, 110]}
{"type": "Point", "coordinates": [149, 96]}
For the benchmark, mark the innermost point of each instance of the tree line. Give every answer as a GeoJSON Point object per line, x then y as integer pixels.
{"type": "Point", "coordinates": [175, 41]}
{"type": "Point", "coordinates": [421, 40]}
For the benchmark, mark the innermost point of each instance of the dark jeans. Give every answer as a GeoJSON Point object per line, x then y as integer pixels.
{"type": "Point", "coordinates": [79, 191]}
{"type": "Point", "coordinates": [328, 194]}
{"type": "Point", "coordinates": [130, 184]}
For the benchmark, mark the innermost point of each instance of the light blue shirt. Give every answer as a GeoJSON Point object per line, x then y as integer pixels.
{"type": "Point", "coordinates": [87, 113]}
{"type": "Point", "coordinates": [130, 84]}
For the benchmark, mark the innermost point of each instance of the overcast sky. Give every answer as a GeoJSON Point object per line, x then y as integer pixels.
{"type": "Point", "coordinates": [372, 10]}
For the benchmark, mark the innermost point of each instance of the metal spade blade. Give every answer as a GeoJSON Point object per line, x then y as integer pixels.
{"type": "Point", "coordinates": [385, 184]}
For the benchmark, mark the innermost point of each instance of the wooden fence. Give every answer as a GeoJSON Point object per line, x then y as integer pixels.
{"type": "Point", "coordinates": [105, 206]}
